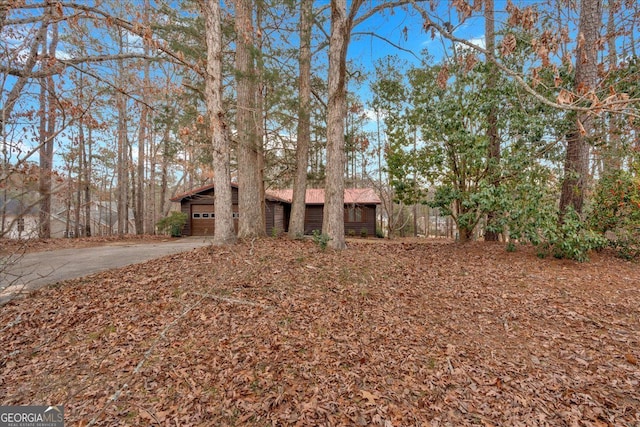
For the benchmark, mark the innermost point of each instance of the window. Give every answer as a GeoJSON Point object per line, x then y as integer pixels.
{"type": "Point", "coordinates": [196, 215]}
{"type": "Point", "coordinates": [236, 215]}
{"type": "Point", "coordinates": [354, 214]}
{"type": "Point", "coordinates": [205, 215]}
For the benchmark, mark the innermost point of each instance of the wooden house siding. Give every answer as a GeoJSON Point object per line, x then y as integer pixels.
{"type": "Point", "coordinates": [313, 218]}
{"type": "Point", "coordinates": [368, 221]}
{"type": "Point", "coordinates": [198, 205]}
{"type": "Point", "coordinates": [205, 198]}
{"type": "Point", "coordinates": [274, 217]}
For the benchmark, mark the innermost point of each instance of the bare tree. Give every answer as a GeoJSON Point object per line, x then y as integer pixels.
{"type": "Point", "coordinates": [224, 231]}
{"type": "Point", "coordinates": [143, 134]}
{"type": "Point", "coordinates": [296, 223]}
{"type": "Point", "coordinates": [576, 166]}
{"type": "Point", "coordinates": [250, 196]}
{"type": "Point", "coordinates": [123, 152]}
{"type": "Point", "coordinates": [333, 214]}
{"type": "Point", "coordinates": [342, 24]}
{"type": "Point", "coordinates": [47, 129]}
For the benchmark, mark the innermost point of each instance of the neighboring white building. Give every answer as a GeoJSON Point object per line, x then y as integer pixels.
{"type": "Point", "coordinates": [21, 222]}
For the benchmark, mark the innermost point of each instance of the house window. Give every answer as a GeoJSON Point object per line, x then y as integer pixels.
{"type": "Point", "coordinates": [196, 215]}
{"type": "Point", "coordinates": [354, 214]}
{"type": "Point", "coordinates": [205, 215]}
{"type": "Point", "coordinates": [236, 215]}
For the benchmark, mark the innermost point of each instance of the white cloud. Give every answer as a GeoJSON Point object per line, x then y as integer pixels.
{"type": "Point", "coordinates": [370, 114]}
{"type": "Point", "coordinates": [478, 41]}
{"type": "Point", "coordinates": [61, 54]}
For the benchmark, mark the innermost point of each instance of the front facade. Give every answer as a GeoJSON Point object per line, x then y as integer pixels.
{"type": "Point", "coordinates": [198, 205]}
{"type": "Point", "coordinates": [360, 210]}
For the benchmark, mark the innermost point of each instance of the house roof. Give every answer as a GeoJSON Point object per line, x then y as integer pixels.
{"type": "Point", "coordinates": [194, 191]}
{"type": "Point", "coordinates": [17, 207]}
{"type": "Point", "coordinates": [315, 196]}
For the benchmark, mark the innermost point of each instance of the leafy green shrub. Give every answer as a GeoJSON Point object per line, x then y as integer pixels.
{"type": "Point", "coordinates": [351, 232]}
{"type": "Point", "coordinates": [364, 233]}
{"type": "Point", "coordinates": [173, 224]}
{"type": "Point", "coordinates": [571, 239]}
{"type": "Point", "coordinates": [616, 212]}
{"type": "Point", "coordinates": [320, 239]}
{"type": "Point", "coordinates": [379, 233]}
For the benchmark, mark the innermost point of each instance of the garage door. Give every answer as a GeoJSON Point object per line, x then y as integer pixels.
{"type": "Point", "coordinates": [202, 220]}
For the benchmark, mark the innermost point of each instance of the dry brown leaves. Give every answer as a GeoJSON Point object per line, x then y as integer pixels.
{"type": "Point", "coordinates": [277, 332]}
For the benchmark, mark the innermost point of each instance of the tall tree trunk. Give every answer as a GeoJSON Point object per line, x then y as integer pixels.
{"type": "Point", "coordinates": [123, 158]}
{"type": "Point", "coordinates": [576, 166]}
{"type": "Point", "coordinates": [79, 231]}
{"type": "Point", "coordinates": [224, 231]}
{"type": "Point", "coordinates": [333, 215]}
{"type": "Point", "coordinates": [131, 198]}
{"type": "Point", "coordinates": [492, 115]}
{"type": "Point", "coordinates": [143, 133]}
{"type": "Point", "coordinates": [612, 155]}
{"type": "Point", "coordinates": [44, 179]}
{"type": "Point", "coordinates": [122, 173]}
{"type": "Point", "coordinates": [251, 222]}
{"type": "Point", "coordinates": [87, 184]}
{"type": "Point", "coordinates": [298, 207]}
{"type": "Point", "coordinates": [122, 189]}
{"type": "Point", "coordinates": [47, 129]}
{"type": "Point", "coordinates": [165, 167]}
{"type": "Point", "coordinates": [260, 115]}
{"type": "Point", "coordinates": [139, 182]}
{"type": "Point", "coordinates": [150, 199]}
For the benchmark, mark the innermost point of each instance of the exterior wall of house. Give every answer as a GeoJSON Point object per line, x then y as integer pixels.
{"type": "Point", "coordinates": [274, 217]}
{"type": "Point", "coordinates": [204, 198]}
{"type": "Point", "coordinates": [313, 218]}
{"type": "Point", "coordinates": [361, 218]}
{"type": "Point", "coordinates": [356, 225]}
{"type": "Point", "coordinates": [28, 228]}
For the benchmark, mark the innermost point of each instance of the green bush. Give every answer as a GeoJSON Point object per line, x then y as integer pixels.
{"type": "Point", "coordinates": [320, 239]}
{"type": "Point", "coordinates": [173, 224]}
{"type": "Point", "coordinates": [571, 239]}
{"type": "Point", "coordinates": [379, 233]}
{"type": "Point", "coordinates": [364, 233]}
{"type": "Point", "coordinates": [615, 212]}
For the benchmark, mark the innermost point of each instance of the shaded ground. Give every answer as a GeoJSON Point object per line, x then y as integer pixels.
{"type": "Point", "coordinates": [277, 332]}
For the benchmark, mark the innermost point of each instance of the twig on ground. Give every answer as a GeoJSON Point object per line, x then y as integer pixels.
{"type": "Point", "coordinates": [232, 300]}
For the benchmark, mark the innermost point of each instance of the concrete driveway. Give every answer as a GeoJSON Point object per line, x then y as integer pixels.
{"type": "Point", "coordinates": [28, 272]}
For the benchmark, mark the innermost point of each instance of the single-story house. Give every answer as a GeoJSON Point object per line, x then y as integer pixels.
{"type": "Point", "coordinates": [360, 210]}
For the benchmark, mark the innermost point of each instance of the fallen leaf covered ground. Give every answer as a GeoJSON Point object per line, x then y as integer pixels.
{"type": "Point", "coordinates": [278, 332]}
